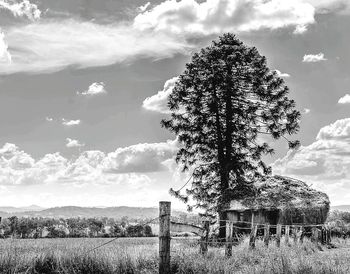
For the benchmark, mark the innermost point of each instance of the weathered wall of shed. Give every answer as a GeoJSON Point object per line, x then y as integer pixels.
{"type": "Point", "coordinates": [260, 216]}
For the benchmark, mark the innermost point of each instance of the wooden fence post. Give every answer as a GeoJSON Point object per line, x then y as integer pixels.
{"type": "Point", "coordinates": [253, 236]}
{"type": "Point", "coordinates": [229, 230]}
{"type": "Point", "coordinates": [302, 234]}
{"type": "Point", "coordinates": [287, 234]}
{"type": "Point", "coordinates": [329, 237]}
{"type": "Point", "coordinates": [205, 238]}
{"type": "Point", "coordinates": [323, 236]}
{"type": "Point", "coordinates": [164, 237]}
{"type": "Point", "coordinates": [314, 237]}
{"type": "Point", "coordinates": [266, 234]}
{"type": "Point", "coordinates": [278, 235]}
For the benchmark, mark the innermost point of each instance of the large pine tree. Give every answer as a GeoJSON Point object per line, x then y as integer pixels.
{"type": "Point", "coordinates": [224, 100]}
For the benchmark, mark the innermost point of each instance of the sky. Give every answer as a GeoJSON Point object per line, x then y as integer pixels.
{"type": "Point", "coordinates": [84, 85]}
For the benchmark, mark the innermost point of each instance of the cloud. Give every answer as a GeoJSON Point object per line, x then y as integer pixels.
{"type": "Point", "coordinates": [158, 102]}
{"type": "Point", "coordinates": [191, 18]}
{"type": "Point", "coordinates": [325, 163]}
{"type": "Point", "coordinates": [90, 167]}
{"type": "Point", "coordinates": [313, 58]}
{"type": "Point", "coordinates": [5, 56]}
{"type": "Point", "coordinates": [73, 143]}
{"type": "Point", "coordinates": [140, 158]}
{"type": "Point", "coordinates": [70, 122]}
{"type": "Point", "coordinates": [307, 110]}
{"type": "Point", "coordinates": [144, 7]}
{"type": "Point", "coordinates": [21, 9]}
{"type": "Point", "coordinates": [329, 6]}
{"type": "Point", "coordinates": [281, 74]}
{"type": "Point", "coordinates": [52, 45]}
{"type": "Point", "coordinates": [300, 29]}
{"type": "Point", "coordinates": [94, 89]}
{"type": "Point", "coordinates": [339, 130]}
{"type": "Point", "coordinates": [344, 100]}
{"type": "Point", "coordinates": [169, 28]}
{"type": "Point", "coordinates": [49, 119]}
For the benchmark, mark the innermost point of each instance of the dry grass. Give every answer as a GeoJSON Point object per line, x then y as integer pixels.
{"type": "Point", "coordinates": [139, 255]}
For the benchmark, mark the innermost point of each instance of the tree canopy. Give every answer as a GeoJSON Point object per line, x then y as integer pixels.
{"type": "Point", "coordinates": [221, 105]}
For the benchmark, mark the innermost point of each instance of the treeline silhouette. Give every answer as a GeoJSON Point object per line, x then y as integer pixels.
{"type": "Point", "coordinates": [32, 227]}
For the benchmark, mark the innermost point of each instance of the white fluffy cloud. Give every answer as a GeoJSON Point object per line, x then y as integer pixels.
{"type": "Point", "coordinates": [94, 89]}
{"type": "Point", "coordinates": [5, 56]}
{"type": "Point", "coordinates": [140, 158]}
{"type": "Point", "coordinates": [324, 163]}
{"type": "Point", "coordinates": [21, 9]}
{"type": "Point", "coordinates": [51, 45]}
{"type": "Point", "coordinates": [70, 122]}
{"type": "Point", "coordinates": [313, 58]}
{"type": "Point", "coordinates": [281, 74]}
{"type": "Point", "coordinates": [73, 143]}
{"type": "Point", "coordinates": [158, 102]}
{"type": "Point", "coordinates": [189, 17]}
{"type": "Point", "coordinates": [306, 110]}
{"type": "Point", "coordinates": [128, 164]}
{"type": "Point", "coordinates": [344, 100]}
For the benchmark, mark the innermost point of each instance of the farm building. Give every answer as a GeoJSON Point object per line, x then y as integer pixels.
{"type": "Point", "coordinates": [280, 200]}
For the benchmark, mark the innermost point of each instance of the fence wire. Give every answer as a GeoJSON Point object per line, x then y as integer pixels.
{"type": "Point", "coordinates": [116, 238]}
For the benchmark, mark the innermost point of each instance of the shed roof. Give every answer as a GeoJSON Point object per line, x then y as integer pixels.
{"type": "Point", "coordinates": [278, 192]}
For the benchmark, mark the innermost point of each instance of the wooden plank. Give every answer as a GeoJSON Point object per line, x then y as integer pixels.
{"type": "Point", "coordinates": [253, 236]}
{"type": "Point", "coordinates": [229, 230]}
{"type": "Point", "coordinates": [205, 238]}
{"type": "Point", "coordinates": [295, 232]}
{"type": "Point", "coordinates": [302, 235]}
{"type": "Point", "coordinates": [164, 237]}
{"type": "Point", "coordinates": [286, 236]}
{"type": "Point", "coordinates": [329, 238]}
{"type": "Point", "coordinates": [278, 235]}
{"type": "Point", "coordinates": [314, 237]}
{"type": "Point", "coordinates": [266, 234]}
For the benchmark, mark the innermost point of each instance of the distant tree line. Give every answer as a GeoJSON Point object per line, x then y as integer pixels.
{"type": "Point", "coordinates": [31, 227]}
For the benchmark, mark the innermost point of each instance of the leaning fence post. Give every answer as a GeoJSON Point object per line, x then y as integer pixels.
{"type": "Point", "coordinates": [164, 237]}
{"type": "Point", "coordinates": [287, 234]}
{"type": "Point", "coordinates": [229, 230]}
{"type": "Point", "coordinates": [253, 236]}
{"type": "Point", "coordinates": [278, 234]}
{"type": "Point", "coordinates": [266, 234]}
{"type": "Point", "coordinates": [205, 238]}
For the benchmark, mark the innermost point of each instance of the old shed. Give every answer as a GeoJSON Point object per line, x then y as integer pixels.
{"type": "Point", "coordinates": [280, 200]}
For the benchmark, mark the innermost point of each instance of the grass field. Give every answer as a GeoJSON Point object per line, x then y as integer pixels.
{"type": "Point", "coordinates": [139, 255]}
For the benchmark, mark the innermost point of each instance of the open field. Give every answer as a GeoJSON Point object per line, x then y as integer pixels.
{"type": "Point", "coordinates": [139, 255]}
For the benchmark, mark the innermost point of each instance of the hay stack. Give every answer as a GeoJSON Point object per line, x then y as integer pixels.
{"type": "Point", "coordinates": [296, 201]}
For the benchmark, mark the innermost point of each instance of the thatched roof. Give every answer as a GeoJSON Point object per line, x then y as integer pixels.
{"type": "Point", "coordinates": [283, 193]}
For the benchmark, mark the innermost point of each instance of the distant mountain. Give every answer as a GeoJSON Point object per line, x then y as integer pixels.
{"type": "Point", "coordinates": [89, 212]}
{"type": "Point", "coordinates": [11, 209]}
{"type": "Point", "coordinates": [341, 208]}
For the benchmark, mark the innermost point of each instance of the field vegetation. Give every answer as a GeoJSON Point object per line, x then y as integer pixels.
{"type": "Point", "coordinates": [140, 255]}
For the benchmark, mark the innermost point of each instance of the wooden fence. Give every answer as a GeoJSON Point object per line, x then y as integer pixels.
{"type": "Point", "coordinates": [292, 234]}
